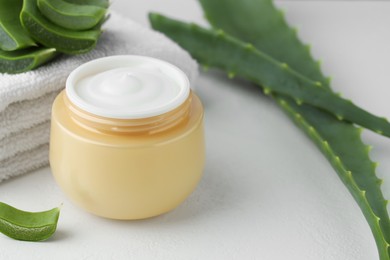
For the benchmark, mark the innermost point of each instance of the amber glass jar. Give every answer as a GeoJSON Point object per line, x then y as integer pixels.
{"type": "Point", "coordinates": [134, 164]}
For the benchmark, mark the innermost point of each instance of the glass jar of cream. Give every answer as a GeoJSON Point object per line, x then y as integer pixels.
{"type": "Point", "coordinates": [127, 137]}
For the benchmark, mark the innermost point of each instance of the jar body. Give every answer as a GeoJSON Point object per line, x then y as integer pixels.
{"type": "Point", "coordinates": [127, 176]}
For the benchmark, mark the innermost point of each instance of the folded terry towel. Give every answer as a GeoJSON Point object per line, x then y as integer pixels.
{"type": "Point", "coordinates": [24, 162]}
{"type": "Point", "coordinates": [26, 140]}
{"type": "Point", "coordinates": [25, 99]}
{"type": "Point", "coordinates": [25, 114]}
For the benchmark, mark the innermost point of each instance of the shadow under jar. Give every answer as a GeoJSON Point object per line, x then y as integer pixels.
{"type": "Point", "coordinates": [127, 137]}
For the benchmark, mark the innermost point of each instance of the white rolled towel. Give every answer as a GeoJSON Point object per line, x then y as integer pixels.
{"type": "Point", "coordinates": [25, 99]}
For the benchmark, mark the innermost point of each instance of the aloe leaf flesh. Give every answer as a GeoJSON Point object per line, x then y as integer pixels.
{"type": "Point", "coordinates": [71, 16]}
{"type": "Point", "coordinates": [12, 34]}
{"type": "Point", "coordinates": [272, 34]}
{"type": "Point", "coordinates": [24, 60]}
{"type": "Point", "coordinates": [215, 48]}
{"type": "Point", "coordinates": [51, 35]}
{"type": "Point", "coordinates": [100, 3]}
{"type": "Point", "coordinates": [28, 226]}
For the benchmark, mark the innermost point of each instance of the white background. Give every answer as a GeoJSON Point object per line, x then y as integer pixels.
{"type": "Point", "coordinates": [267, 192]}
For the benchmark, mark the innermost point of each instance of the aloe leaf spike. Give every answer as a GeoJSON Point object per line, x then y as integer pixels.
{"type": "Point", "coordinates": [216, 48]}
{"type": "Point", "coordinates": [272, 34]}
{"type": "Point", "coordinates": [266, 28]}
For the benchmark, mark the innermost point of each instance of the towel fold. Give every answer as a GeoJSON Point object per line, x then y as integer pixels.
{"type": "Point", "coordinates": [26, 99]}
{"type": "Point", "coordinates": [24, 162]}
{"type": "Point", "coordinates": [25, 114]}
{"type": "Point", "coordinates": [25, 140]}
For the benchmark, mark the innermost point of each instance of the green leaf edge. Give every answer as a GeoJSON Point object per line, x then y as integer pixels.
{"type": "Point", "coordinates": [275, 28]}
{"type": "Point", "coordinates": [72, 16]}
{"type": "Point", "coordinates": [345, 175]}
{"type": "Point", "coordinates": [32, 57]}
{"type": "Point", "coordinates": [299, 87]}
{"type": "Point", "coordinates": [18, 36]}
{"type": "Point", "coordinates": [373, 224]}
{"type": "Point", "coordinates": [31, 17]}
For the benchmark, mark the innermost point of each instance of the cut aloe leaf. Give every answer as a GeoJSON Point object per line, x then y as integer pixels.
{"type": "Point", "coordinates": [264, 26]}
{"type": "Point", "coordinates": [28, 226]}
{"type": "Point", "coordinates": [51, 35]}
{"type": "Point", "coordinates": [71, 16]}
{"type": "Point", "coordinates": [12, 34]}
{"type": "Point", "coordinates": [24, 60]}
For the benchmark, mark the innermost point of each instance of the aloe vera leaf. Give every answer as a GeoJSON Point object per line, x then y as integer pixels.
{"type": "Point", "coordinates": [71, 16]}
{"type": "Point", "coordinates": [380, 236]}
{"type": "Point", "coordinates": [343, 147]}
{"type": "Point", "coordinates": [12, 34]}
{"type": "Point", "coordinates": [264, 26]}
{"type": "Point", "coordinates": [100, 3]}
{"type": "Point", "coordinates": [51, 35]}
{"type": "Point", "coordinates": [28, 226]}
{"type": "Point", "coordinates": [272, 34]}
{"type": "Point", "coordinates": [216, 49]}
{"type": "Point", "coordinates": [24, 60]}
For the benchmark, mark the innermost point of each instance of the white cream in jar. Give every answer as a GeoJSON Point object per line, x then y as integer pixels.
{"type": "Point", "coordinates": [144, 87]}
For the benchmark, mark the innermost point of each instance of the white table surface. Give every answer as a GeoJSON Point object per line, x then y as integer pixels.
{"type": "Point", "coordinates": [267, 192]}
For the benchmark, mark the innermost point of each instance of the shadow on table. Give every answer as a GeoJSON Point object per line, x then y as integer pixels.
{"type": "Point", "coordinates": [59, 235]}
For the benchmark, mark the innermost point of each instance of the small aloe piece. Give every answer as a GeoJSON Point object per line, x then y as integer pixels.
{"type": "Point", "coordinates": [71, 16]}
{"type": "Point", "coordinates": [24, 60]}
{"type": "Point", "coordinates": [100, 3]}
{"type": "Point", "coordinates": [215, 48]}
{"type": "Point", "coordinates": [12, 34]}
{"type": "Point", "coordinates": [28, 226]}
{"type": "Point", "coordinates": [335, 139]}
{"type": "Point", "coordinates": [51, 35]}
